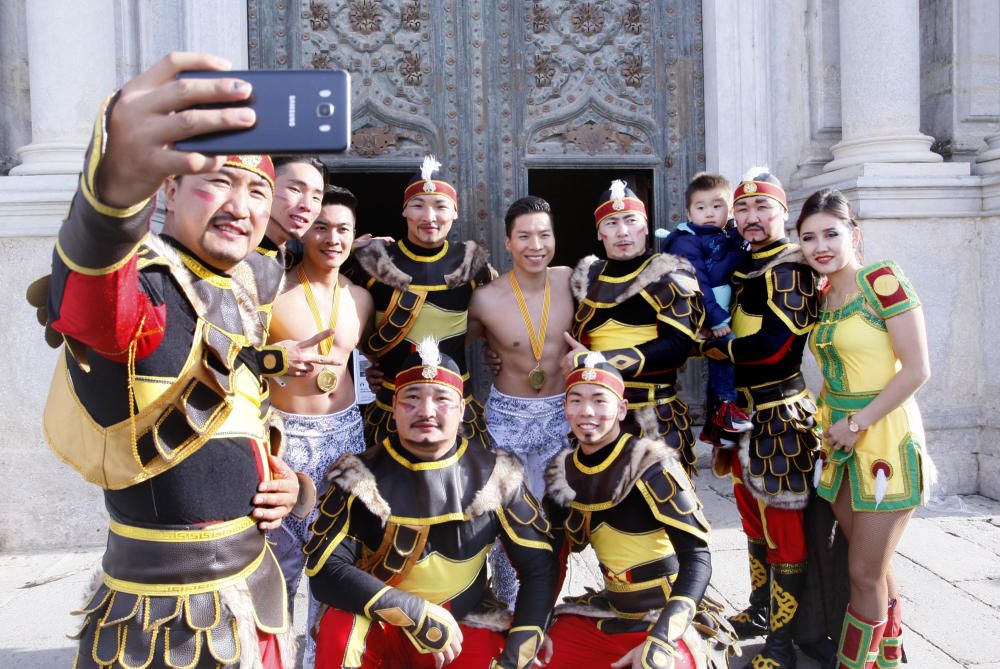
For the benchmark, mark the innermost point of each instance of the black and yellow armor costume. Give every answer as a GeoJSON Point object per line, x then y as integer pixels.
{"type": "Point", "coordinates": [643, 315]}
{"type": "Point", "coordinates": [158, 398]}
{"type": "Point", "coordinates": [633, 502]}
{"type": "Point", "coordinates": [775, 305]}
{"type": "Point", "coordinates": [418, 292]}
{"type": "Point", "coordinates": [396, 535]}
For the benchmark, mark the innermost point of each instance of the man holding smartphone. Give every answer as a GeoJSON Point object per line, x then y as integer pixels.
{"type": "Point", "coordinates": [158, 394]}
{"type": "Point", "coordinates": [421, 286]}
{"type": "Point", "coordinates": [316, 414]}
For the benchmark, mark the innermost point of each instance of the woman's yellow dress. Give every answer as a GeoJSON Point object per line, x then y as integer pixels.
{"type": "Point", "coordinates": [885, 470]}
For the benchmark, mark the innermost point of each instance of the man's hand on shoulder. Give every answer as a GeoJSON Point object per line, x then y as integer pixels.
{"type": "Point", "coordinates": [151, 112]}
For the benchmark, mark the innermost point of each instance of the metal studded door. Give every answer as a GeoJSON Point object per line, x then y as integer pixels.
{"type": "Point", "coordinates": [559, 96]}
{"type": "Point", "coordinates": [506, 90]}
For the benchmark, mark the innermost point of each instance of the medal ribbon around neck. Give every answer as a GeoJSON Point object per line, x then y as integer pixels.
{"type": "Point", "coordinates": [537, 376]}
{"type": "Point", "coordinates": [326, 380]}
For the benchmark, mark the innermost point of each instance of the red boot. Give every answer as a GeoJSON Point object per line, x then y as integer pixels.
{"type": "Point", "coordinates": [859, 641]}
{"type": "Point", "coordinates": [890, 652]}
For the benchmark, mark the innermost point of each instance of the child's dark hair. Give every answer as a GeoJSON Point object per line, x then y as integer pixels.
{"type": "Point", "coordinates": [707, 181]}
{"type": "Point", "coordinates": [342, 196]}
{"type": "Point", "coordinates": [526, 205]}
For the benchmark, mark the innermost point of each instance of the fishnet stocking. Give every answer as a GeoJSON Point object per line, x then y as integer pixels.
{"type": "Point", "coordinates": [872, 538]}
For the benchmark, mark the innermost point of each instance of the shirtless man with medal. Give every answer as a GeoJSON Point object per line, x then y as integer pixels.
{"type": "Point", "coordinates": [523, 315]}
{"type": "Point", "coordinates": [315, 410]}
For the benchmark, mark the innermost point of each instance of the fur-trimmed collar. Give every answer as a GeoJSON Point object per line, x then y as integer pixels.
{"type": "Point", "coordinates": [474, 260]}
{"type": "Point", "coordinates": [641, 454]}
{"type": "Point", "coordinates": [659, 266]}
{"type": "Point", "coordinates": [374, 259]}
{"type": "Point", "coordinates": [247, 301]}
{"type": "Point", "coordinates": [378, 263]}
{"type": "Point", "coordinates": [351, 474]}
{"type": "Point", "coordinates": [791, 254]}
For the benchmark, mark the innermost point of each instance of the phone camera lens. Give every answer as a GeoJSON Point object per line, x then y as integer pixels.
{"type": "Point", "coordinates": [324, 109]}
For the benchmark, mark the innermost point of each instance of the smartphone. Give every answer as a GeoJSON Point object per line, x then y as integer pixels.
{"type": "Point", "coordinates": [298, 111]}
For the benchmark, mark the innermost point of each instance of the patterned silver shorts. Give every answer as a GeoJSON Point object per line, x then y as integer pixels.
{"type": "Point", "coordinates": [533, 429]}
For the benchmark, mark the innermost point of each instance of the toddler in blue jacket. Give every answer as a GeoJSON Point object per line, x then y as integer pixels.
{"type": "Point", "coordinates": [709, 239]}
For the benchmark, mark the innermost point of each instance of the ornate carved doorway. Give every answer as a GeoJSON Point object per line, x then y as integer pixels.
{"type": "Point", "coordinates": [496, 88]}
{"type": "Point", "coordinates": [502, 89]}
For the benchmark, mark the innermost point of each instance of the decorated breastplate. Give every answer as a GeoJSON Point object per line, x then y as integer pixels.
{"type": "Point", "coordinates": [214, 393]}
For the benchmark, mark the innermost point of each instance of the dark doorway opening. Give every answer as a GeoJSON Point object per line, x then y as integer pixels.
{"type": "Point", "coordinates": [574, 194]}
{"type": "Point", "coordinates": [380, 200]}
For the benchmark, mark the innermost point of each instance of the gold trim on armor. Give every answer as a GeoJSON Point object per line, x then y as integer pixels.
{"type": "Point", "coordinates": [418, 258]}
{"type": "Point", "coordinates": [179, 589]}
{"type": "Point", "coordinates": [598, 468]}
{"type": "Point", "coordinates": [212, 533]}
{"type": "Point", "coordinates": [628, 277]}
{"type": "Point", "coordinates": [527, 543]}
{"type": "Point", "coordinates": [650, 399]}
{"type": "Point", "coordinates": [332, 544]}
{"type": "Point", "coordinates": [93, 159]}
{"type": "Point", "coordinates": [771, 252]}
{"type": "Point", "coordinates": [99, 271]}
{"type": "Point", "coordinates": [202, 272]}
{"type": "Point", "coordinates": [424, 466]}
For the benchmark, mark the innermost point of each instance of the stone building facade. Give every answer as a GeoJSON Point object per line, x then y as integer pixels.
{"type": "Point", "coordinates": [897, 103]}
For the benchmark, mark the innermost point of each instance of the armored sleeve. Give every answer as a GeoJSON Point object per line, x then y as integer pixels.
{"type": "Point", "coordinates": [679, 316]}
{"type": "Point", "coordinates": [94, 294]}
{"type": "Point", "coordinates": [671, 498]}
{"type": "Point", "coordinates": [792, 309]}
{"type": "Point", "coordinates": [527, 538]}
{"type": "Point", "coordinates": [332, 556]}
{"type": "Point", "coordinates": [886, 289]}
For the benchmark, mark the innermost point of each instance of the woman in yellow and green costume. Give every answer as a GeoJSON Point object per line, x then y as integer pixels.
{"type": "Point", "coordinates": [871, 345]}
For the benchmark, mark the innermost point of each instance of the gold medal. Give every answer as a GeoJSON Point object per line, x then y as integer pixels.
{"type": "Point", "coordinates": [536, 378]}
{"type": "Point", "coordinates": [327, 380]}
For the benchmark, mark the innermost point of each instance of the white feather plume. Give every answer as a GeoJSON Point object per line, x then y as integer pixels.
{"type": "Point", "coordinates": [617, 190]}
{"type": "Point", "coordinates": [755, 171]}
{"type": "Point", "coordinates": [429, 353]}
{"type": "Point", "coordinates": [818, 471]}
{"type": "Point", "coordinates": [593, 359]}
{"type": "Point", "coordinates": [881, 485]}
{"type": "Point", "coordinates": [429, 167]}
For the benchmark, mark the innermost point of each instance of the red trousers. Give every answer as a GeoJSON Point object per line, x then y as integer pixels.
{"type": "Point", "coordinates": [346, 640]}
{"type": "Point", "coordinates": [783, 530]}
{"type": "Point", "coordinates": [578, 644]}
{"type": "Point", "coordinates": [269, 652]}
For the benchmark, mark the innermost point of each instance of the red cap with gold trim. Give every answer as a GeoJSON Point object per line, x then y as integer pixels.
{"type": "Point", "coordinates": [618, 199]}
{"type": "Point", "coordinates": [595, 369]}
{"type": "Point", "coordinates": [429, 365]}
{"type": "Point", "coordinates": [426, 184]}
{"type": "Point", "coordinates": [260, 165]}
{"type": "Point", "coordinates": [759, 181]}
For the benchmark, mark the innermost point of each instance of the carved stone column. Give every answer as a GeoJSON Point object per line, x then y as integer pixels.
{"type": "Point", "coordinates": [737, 90]}
{"type": "Point", "coordinates": [71, 66]}
{"type": "Point", "coordinates": [880, 85]}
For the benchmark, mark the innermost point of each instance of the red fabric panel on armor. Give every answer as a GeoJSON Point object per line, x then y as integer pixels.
{"type": "Point", "coordinates": [577, 643]}
{"type": "Point", "coordinates": [105, 311]}
{"type": "Point", "coordinates": [778, 355]}
{"type": "Point", "coordinates": [269, 653]}
{"type": "Point", "coordinates": [386, 646]}
{"type": "Point", "coordinates": [785, 528]}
